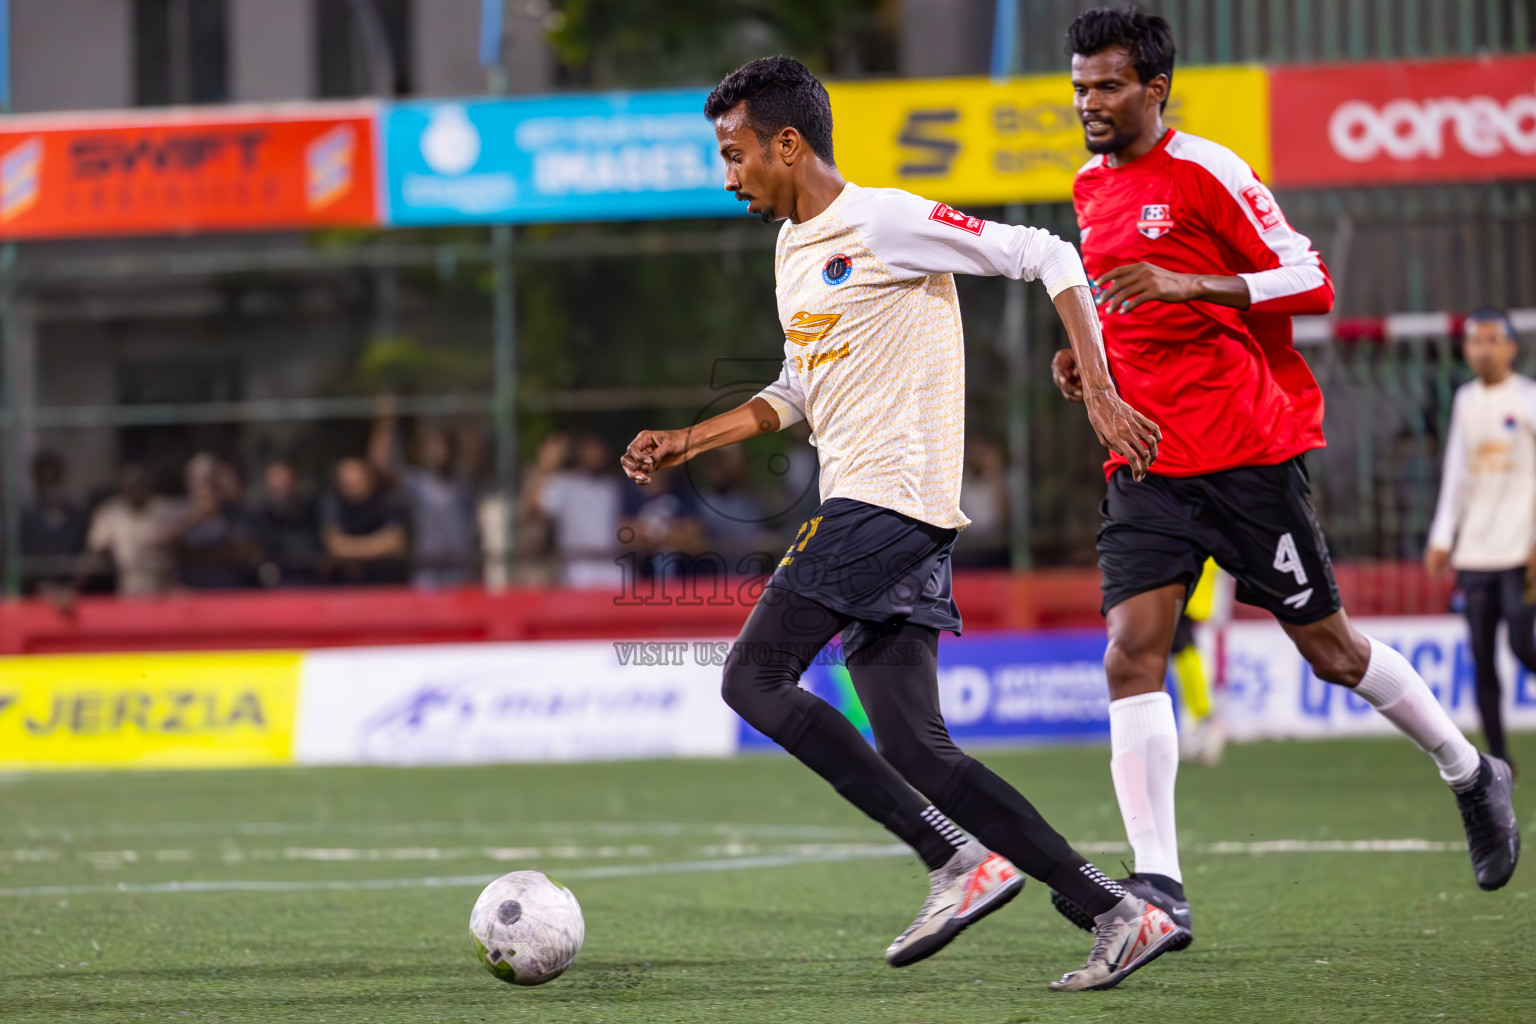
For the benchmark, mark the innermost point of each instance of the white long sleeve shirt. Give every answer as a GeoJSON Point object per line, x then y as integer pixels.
{"type": "Point", "coordinates": [1486, 515]}
{"type": "Point", "coordinates": [874, 354]}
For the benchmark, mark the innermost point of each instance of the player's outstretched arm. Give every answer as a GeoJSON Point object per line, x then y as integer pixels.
{"type": "Point", "coordinates": [1124, 288]}
{"type": "Point", "coordinates": [657, 449]}
{"type": "Point", "coordinates": [1082, 374]}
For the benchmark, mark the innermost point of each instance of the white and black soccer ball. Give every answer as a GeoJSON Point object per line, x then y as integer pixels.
{"type": "Point", "coordinates": [527, 928]}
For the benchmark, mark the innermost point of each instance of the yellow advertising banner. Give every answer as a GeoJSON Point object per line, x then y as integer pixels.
{"type": "Point", "coordinates": [148, 710]}
{"type": "Point", "coordinates": [973, 140]}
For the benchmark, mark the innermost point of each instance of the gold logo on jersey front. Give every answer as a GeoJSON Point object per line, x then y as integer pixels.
{"type": "Point", "coordinates": [805, 328]}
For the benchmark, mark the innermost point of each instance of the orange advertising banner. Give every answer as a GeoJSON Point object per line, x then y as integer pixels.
{"type": "Point", "coordinates": [181, 171]}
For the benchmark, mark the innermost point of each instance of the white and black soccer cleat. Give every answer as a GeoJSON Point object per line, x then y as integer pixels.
{"type": "Point", "coordinates": [971, 885]}
{"type": "Point", "coordinates": [1125, 939]}
{"type": "Point", "coordinates": [1488, 815]}
{"type": "Point", "coordinates": [1144, 887]}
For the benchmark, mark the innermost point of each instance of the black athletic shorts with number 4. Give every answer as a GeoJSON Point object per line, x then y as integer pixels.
{"type": "Point", "coordinates": [1256, 521]}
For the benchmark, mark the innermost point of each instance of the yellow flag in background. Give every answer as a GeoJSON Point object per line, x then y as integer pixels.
{"type": "Point", "coordinates": [972, 140]}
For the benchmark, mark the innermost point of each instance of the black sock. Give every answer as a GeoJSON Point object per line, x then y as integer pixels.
{"type": "Point", "coordinates": [1005, 822]}
{"type": "Point", "coordinates": [1088, 887]}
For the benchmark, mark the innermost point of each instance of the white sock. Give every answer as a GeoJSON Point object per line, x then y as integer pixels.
{"type": "Point", "coordinates": [1144, 762]}
{"type": "Point", "coordinates": [1391, 686]}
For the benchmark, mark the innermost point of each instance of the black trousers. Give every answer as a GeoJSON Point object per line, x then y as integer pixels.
{"type": "Point", "coordinates": [894, 668]}
{"type": "Point", "coordinates": [1493, 597]}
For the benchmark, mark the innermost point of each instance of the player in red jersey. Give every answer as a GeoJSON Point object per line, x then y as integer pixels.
{"type": "Point", "coordinates": [1196, 274]}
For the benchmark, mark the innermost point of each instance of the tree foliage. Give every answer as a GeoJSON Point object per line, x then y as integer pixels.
{"type": "Point", "coordinates": [639, 43]}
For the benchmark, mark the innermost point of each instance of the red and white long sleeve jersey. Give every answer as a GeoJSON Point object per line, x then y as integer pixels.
{"type": "Point", "coordinates": [1225, 385]}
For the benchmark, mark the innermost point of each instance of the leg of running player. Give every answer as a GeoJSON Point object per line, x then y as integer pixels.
{"type": "Point", "coordinates": [761, 683]}
{"type": "Point", "coordinates": [1484, 606]}
{"type": "Point", "coordinates": [894, 668]}
{"type": "Point", "coordinates": [1519, 617]}
{"type": "Point", "coordinates": [1341, 654]}
{"type": "Point", "coordinates": [1144, 742]}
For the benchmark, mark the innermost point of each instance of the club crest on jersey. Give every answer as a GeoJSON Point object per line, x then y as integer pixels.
{"type": "Point", "coordinates": [837, 269]}
{"type": "Point", "coordinates": [1156, 220]}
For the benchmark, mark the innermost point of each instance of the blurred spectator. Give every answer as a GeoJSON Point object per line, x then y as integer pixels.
{"type": "Point", "coordinates": [53, 530]}
{"type": "Point", "coordinates": [287, 527]}
{"type": "Point", "coordinates": [445, 536]}
{"type": "Point", "coordinates": [582, 503]}
{"type": "Point", "coordinates": [732, 517]}
{"type": "Point", "coordinates": [217, 548]}
{"type": "Point", "coordinates": [495, 533]}
{"type": "Point", "coordinates": [364, 533]}
{"type": "Point", "coordinates": [984, 500]}
{"type": "Point", "coordinates": [135, 528]}
{"type": "Point", "coordinates": [664, 527]}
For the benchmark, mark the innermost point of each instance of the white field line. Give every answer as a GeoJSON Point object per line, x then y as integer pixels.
{"type": "Point", "coordinates": [240, 829]}
{"type": "Point", "coordinates": [109, 860]}
{"type": "Point", "coordinates": [806, 855]}
{"type": "Point", "coordinates": [115, 859]}
{"type": "Point", "coordinates": [1335, 846]}
{"type": "Point", "coordinates": [458, 881]}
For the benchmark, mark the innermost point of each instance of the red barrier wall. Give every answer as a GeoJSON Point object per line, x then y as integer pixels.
{"type": "Point", "coordinates": [344, 618]}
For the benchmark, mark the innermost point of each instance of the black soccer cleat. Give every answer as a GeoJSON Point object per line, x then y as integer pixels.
{"type": "Point", "coordinates": [1142, 887]}
{"type": "Point", "coordinates": [1488, 815]}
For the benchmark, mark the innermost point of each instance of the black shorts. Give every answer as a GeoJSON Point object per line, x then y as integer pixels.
{"type": "Point", "coordinates": [1256, 521]}
{"type": "Point", "coordinates": [872, 564]}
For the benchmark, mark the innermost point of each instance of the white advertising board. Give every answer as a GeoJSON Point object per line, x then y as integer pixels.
{"type": "Point", "coordinates": [1272, 693]}
{"type": "Point", "coordinates": [481, 703]}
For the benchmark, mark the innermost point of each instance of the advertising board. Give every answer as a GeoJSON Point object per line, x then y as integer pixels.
{"type": "Point", "coordinates": [178, 172]}
{"type": "Point", "coordinates": [618, 156]}
{"type": "Point", "coordinates": [1404, 121]}
{"type": "Point", "coordinates": [148, 710]}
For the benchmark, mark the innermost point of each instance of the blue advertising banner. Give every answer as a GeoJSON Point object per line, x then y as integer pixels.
{"type": "Point", "coordinates": [563, 158]}
{"type": "Point", "coordinates": [994, 688]}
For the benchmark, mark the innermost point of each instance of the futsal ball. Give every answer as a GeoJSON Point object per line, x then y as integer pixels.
{"type": "Point", "coordinates": [527, 928]}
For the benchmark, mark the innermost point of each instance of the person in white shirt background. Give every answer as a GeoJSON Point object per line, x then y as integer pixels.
{"type": "Point", "coordinates": [1485, 520]}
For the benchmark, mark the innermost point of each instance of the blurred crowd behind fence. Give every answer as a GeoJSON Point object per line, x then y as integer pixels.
{"type": "Point", "coordinates": [335, 407]}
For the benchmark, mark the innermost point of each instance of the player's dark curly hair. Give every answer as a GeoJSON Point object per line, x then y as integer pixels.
{"type": "Point", "coordinates": [1489, 315]}
{"type": "Point", "coordinates": [780, 93]}
{"type": "Point", "coordinates": [1146, 37]}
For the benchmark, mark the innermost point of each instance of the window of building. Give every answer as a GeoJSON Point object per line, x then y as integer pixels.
{"type": "Point", "coordinates": [180, 51]}
{"type": "Point", "coordinates": [363, 47]}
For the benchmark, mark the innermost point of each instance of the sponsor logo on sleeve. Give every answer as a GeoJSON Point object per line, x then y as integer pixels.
{"type": "Point", "coordinates": [1265, 210]}
{"type": "Point", "coordinates": [955, 219]}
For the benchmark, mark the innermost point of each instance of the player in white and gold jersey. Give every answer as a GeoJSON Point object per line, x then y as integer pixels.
{"type": "Point", "coordinates": [874, 361]}
{"type": "Point", "coordinates": [1485, 520]}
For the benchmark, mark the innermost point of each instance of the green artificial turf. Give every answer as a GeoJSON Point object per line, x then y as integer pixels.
{"type": "Point", "coordinates": [1311, 935]}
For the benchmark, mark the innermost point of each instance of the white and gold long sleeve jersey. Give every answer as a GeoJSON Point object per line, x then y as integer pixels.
{"type": "Point", "coordinates": [874, 355]}
{"type": "Point", "coordinates": [1486, 515]}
